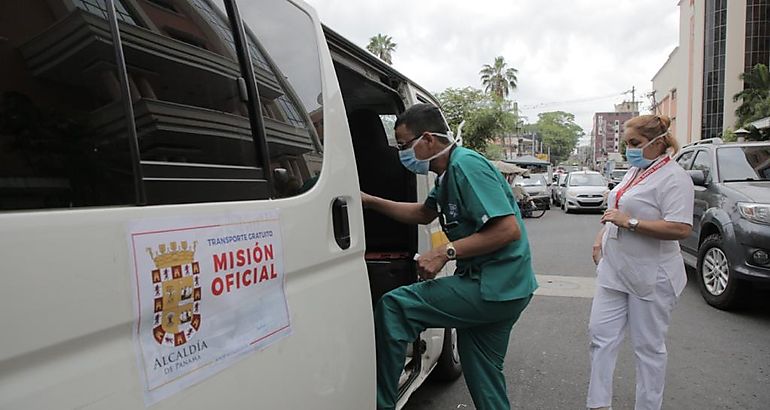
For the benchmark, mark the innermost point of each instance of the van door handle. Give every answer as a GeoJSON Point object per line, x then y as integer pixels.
{"type": "Point", "coordinates": [341, 222]}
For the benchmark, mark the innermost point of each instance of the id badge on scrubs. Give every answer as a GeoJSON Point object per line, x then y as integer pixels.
{"type": "Point", "coordinates": [612, 231]}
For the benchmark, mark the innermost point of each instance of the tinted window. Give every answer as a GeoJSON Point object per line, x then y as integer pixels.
{"type": "Point", "coordinates": [64, 138]}
{"type": "Point", "coordinates": [586, 180]}
{"type": "Point", "coordinates": [744, 163]}
{"type": "Point", "coordinates": [534, 180]}
{"type": "Point", "coordinates": [288, 37]}
{"type": "Point", "coordinates": [619, 174]}
{"type": "Point", "coordinates": [703, 163]}
{"type": "Point", "coordinates": [62, 129]}
{"type": "Point", "coordinates": [192, 118]}
{"type": "Point", "coordinates": [684, 159]}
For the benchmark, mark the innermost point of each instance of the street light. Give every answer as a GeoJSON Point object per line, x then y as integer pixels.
{"type": "Point", "coordinates": [741, 133]}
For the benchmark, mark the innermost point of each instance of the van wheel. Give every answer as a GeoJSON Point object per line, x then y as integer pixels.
{"type": "Point", "coordinates": [718, 286]}
{"type": "Point", "coordinates": [448, 366]}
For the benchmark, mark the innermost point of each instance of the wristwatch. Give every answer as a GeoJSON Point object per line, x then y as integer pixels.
{"type": "Point", "coordinates": [632, 224]}
{"type": "Point", "coordinates": [451, 253]}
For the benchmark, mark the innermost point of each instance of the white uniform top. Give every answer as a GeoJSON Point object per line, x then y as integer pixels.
{"type": "Point", "coordinates": [631, 261]}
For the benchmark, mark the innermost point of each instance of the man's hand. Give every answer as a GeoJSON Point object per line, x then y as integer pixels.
{"type": "Point", "coordinates": [366, 199]}
{"type": "Point", "coordinates": [618, 218]}
{"type": "Point", "coordinates": [430, 264]}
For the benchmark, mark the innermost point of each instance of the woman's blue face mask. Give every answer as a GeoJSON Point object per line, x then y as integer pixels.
{"type": "Point", "coordinates": [635, 156]}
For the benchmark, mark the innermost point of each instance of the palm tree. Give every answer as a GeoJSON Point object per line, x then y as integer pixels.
{"type": "Point", "coordinates": [498, 79]}
{"type": "Point", "coordinates": [755, 94]}
{"type": "Point", "coordinates": [382, 46]}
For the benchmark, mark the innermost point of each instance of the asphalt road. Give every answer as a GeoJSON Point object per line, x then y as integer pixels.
{"type": "Point", "coordinates": [717, 360]}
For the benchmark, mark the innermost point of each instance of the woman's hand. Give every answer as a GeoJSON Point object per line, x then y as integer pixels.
{"type": "Point", "coordinates": [618, 218]}
{"type": "Point", "coordinates": [430, 264]}
{"type": "Point", "coordinates": [596, 253]}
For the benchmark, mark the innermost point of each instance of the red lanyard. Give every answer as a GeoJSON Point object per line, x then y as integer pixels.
{"type": "Point", "coordinates": [635, 181]}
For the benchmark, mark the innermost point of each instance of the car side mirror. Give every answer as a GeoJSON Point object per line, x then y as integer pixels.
{"type": "Point", "coordinates": [698, 177]}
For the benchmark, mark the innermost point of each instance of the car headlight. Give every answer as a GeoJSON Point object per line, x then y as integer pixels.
{"type": "Point", "coordinates": [759, 213]}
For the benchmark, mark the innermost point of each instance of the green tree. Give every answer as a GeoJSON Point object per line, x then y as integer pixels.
{"type": "Point", "coordinates": [755, 97]}
{"type": "Point", "coordinates": [558, 131]}
{"type": "Point", "coordinates": [485, 117]}
{"type": "Point", "coordinates": [498, 79]}
{"type": "Point", "coordinates": [493, 152]}
{"type": "Point", "coordinates": [383, 47]}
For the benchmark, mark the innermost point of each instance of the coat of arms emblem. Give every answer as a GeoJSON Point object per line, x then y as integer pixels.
{"type": "Point", "coordinates": [177, 293]}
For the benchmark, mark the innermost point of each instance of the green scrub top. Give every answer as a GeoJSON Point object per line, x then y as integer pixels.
{"type": "Point", "coordinates": [470, 193]}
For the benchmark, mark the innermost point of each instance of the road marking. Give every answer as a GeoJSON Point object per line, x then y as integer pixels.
{"type": "Point", "coordinates": [565, 286]}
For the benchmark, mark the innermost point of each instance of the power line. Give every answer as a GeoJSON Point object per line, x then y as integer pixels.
{"type": "Point", "coordinates": [580, 100]}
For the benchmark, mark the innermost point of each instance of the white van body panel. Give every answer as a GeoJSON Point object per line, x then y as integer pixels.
{"type": "Point", "coordinates": [68, 317]}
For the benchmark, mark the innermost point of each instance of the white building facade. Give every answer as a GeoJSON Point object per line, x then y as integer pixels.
{"type": "Point", "coordinates": [718, 41]}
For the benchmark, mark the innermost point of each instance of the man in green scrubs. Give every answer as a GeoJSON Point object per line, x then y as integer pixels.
{"type": "Point", "coordinates": [493, 282]}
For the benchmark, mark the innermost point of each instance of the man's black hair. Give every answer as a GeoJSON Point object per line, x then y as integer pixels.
{"type": "Point", "coordinates": [420, 118]}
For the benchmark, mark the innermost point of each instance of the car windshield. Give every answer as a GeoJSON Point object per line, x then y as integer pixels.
{"type": "Point", "coordinates": [750, 163]}
{"type": "Point", "coordinates": [533, 180]}
{"type": "Point", "coordinates": [619, 174]}
{"type": "Point", "coordinates": [586, 180]}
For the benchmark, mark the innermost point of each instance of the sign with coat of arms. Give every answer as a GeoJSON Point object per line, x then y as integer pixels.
{"type": "Point", "coordinates": [209, 291]}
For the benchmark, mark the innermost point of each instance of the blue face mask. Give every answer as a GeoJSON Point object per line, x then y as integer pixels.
{"type": "Point", "coordinates": [635, 156]}
{"type": "Point", "coordinates": [422, 166]}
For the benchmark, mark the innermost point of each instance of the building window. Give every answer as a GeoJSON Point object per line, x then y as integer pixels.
{"type": "Point", "coordinates": [99, 7]}
{"type": "Point", "coordinates": [757, 33]}
{"type": "Point", "coordinates": [714, 68]}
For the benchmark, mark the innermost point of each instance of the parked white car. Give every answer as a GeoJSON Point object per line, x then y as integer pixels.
{"type": "Point", "coordinates": [583, 190]}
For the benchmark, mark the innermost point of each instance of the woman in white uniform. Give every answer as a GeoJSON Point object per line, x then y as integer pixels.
{"type": "Point", "coordinates": [640, 272]}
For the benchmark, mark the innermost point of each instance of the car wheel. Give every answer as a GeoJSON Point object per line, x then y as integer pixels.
{"type": "Point", "coordinates": [718, 286]}
{"type": "Point", "coordinates": [448, 366]}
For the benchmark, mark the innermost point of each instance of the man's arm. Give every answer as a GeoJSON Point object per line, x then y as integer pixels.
{"type": "Point", "coordinates": [405, 212]}
{"type": "Point", "coordinates": [495, 234]}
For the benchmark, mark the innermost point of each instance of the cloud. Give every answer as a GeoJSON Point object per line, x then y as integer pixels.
{"type": "Point", "coordinates": [565, 50]}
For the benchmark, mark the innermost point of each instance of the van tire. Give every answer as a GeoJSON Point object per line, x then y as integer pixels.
{"type": "Point", "coordinates": [448, 366]}
{"type": "Point", "coordinates": [734, 291]}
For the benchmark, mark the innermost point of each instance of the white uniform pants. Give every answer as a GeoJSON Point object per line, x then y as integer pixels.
{"type": "Point", "coordinates": [648, 323]}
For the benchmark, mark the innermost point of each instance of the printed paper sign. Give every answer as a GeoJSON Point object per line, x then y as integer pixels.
{"type": "Point", "coordinates": [208, 291]}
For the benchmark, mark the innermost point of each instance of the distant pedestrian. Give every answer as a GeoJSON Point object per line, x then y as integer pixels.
{"type": "Point", "coordinates": [640, 272]}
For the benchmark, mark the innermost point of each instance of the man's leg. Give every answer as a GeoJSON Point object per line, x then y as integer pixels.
{"type": "Point", "coordinates": [482, 352]}
{"type": "Point", "coordinates": [609, 315]}
{"type": "Point", "coordinates": [648, 323]}
{"type": "Point", "coordinates": [403, 313]}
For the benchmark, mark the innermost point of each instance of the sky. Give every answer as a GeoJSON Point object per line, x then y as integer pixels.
{"type": "Point", "coordinates": [577, 56]}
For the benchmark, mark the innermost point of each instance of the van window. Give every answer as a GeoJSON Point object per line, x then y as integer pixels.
{"type": "Point", "coordinates": [199, 119]}
{"type": "Point", "coordinates": [64, 139]}
{"type": "Point", "coordinates": [287, 36]}
{"type": "Point", "coordinates": [61, 123]}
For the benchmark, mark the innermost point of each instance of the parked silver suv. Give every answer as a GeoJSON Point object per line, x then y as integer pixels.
{"type": "Point", "coordinates": [730, 241]}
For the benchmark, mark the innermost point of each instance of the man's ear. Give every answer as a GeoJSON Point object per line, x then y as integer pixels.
{"type": "Point", "coordinates": [429, 138]}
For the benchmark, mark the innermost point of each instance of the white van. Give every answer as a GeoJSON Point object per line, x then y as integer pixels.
{"type": "Point", "coordinates": [180, 218]}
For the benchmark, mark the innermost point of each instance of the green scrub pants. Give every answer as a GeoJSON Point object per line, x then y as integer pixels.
{"type": "Point", "coordinates": [483, 330]}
